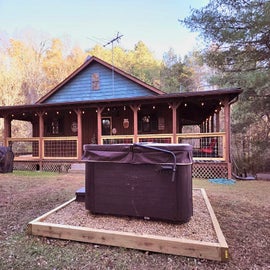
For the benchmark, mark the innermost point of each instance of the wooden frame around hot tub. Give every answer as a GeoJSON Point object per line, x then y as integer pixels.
{"type": "Point", "coordinates": [185, 247]}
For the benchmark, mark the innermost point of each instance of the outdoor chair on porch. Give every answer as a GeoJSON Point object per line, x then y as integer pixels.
{"type": "Point", "coordinates": [208, 151]}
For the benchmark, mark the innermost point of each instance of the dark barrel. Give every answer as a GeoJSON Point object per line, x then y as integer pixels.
{"type": "Point", "coordinates": [6, 159]}
{"type": "Point", "coordinates": [141, 180]}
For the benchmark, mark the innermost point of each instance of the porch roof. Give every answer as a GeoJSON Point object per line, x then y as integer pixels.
{"type": "Point", "coordinates": [196, 106]}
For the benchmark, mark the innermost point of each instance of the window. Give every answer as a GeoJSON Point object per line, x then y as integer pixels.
{"type": "Point", "coordinates": [148, 123]}
{"type": "Point", "coordinates": [106, 125]}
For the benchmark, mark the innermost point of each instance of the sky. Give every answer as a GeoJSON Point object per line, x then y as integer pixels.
{"type": "Point", "coordinates": [89, 22]}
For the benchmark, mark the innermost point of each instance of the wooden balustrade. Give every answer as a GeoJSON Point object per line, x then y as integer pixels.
{"type": "Point", "coordinates": [66, 148]}
{"type": "Point", "coordinates": [63, 148]}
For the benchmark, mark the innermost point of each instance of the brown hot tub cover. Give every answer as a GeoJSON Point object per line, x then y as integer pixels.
{"type": "Point", "coordinates": [141, 180]}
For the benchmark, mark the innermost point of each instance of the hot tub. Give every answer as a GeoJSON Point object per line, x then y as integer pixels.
{"type": "Point", "coordinates": [152, 181]}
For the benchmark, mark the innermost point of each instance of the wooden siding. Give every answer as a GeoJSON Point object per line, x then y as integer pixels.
{"type": "Point", "coordinates": [80, 87]}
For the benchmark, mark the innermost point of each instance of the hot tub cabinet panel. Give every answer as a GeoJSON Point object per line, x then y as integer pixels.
{"type": "Point", "coordinates": [144, 181]}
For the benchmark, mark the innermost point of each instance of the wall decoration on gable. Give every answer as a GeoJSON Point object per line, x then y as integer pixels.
{"type": "Point", "coordinates": [95, 81]}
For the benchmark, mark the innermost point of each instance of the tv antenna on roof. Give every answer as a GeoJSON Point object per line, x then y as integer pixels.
{"type": "Point", "coordinates": [116, 39]}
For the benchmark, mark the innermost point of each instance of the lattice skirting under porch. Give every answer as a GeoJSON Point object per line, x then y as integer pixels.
{"type": "Point", "coordinates": [50, 166]}
{"type": "Point", "coordinates": [204, 170]}
{"type": "Point", "coordinates": [208, 170]}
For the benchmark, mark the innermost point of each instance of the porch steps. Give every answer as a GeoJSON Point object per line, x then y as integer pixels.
{"type": "Point", "coordinates": [77, 168]}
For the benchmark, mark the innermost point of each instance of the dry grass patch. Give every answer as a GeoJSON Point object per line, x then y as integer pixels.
{"type": "Point", "coordinates": [242, 211]}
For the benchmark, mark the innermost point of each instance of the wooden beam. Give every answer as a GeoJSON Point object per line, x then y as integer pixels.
{"type": "Point", "coordinates": [79, 134]}
{"type": "Point", "coordinates": [174, 107]}
{"type": "Point", "coordinates": [41, 135]}
{"type": "Point", "coordinates": [99, 127]}
{"type": "Point", "coordinates": [135, 109]}
{"type": "Point", "coordinates": [169, 245]}
{"type": "Point", "coordinates": [212, 123]}
{"type": "Point", "coordinates": [221, 239]}
{"type": "Point", "coordinates": [227, 115]}
{"type": "Point", "coordinates": [7, 130]}
{"type": "Point", "coordinates": [217, 121]}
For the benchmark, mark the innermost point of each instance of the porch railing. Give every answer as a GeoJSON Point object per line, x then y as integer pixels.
{"type": "Point", "coordinates": [24, 148]}
{"type": "Point", "coordinates": [44, 148]}
{"type": "Point", "coordinates": [118, 139]}
{"type": "Point", "coordinates": [121, 139]}
{"type": "Point", "coordinates": [206, 146]}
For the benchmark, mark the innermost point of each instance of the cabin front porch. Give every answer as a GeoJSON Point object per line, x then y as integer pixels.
{"type": "Point", "coordinates": [59, 131]}
{"type": "Point", "coordinates": [59, 153]}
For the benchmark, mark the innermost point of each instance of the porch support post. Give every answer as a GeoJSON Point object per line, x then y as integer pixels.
{"type": "Point", "coordinates": [79, 134]}
{"type": "Point", "coordinates": [217, 122]}
{"type": "Point", "coordinates": [203, 127]}
{"type": "Point", "coordinates": [207, 123]}
{"type": "Point", "coordinates": [99, 127]}
{"type": "Point", "coordinates": [41, 135]}
{"type": "Point", "coordinates": [174, 107]}
{"type": "Point", "coordinates": [135, 109]}
{"type": "Point", "coordinates": [227, 116]}
{"type": "Point", "coordinates": [212, 123]}
{"type": "Point", "coordinates": [7, 130]}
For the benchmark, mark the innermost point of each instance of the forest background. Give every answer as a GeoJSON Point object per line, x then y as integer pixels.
{"type": "Point", "coordinates": [236, 54]}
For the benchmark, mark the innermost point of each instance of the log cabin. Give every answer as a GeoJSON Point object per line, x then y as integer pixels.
{"type": "Point", "coordinates": [101, 104]}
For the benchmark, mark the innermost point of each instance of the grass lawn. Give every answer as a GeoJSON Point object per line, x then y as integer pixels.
{"type": "Point", "coordinates": [242, 209]}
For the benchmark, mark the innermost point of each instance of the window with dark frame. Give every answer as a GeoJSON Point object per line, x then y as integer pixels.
{"type": "Point", "coordinates": [147, 123]}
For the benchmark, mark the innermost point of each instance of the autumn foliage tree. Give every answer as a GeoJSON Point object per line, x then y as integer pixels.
{"type": "Point", "coordinates": [29, 69]}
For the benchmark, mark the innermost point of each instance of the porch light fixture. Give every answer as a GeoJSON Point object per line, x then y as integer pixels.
{"type": "Point", "coordinates": [46, 113]}
{"type": "Point", "coordinates": [202, 103]}
{"type": "Point", "coordinates": [23, 114]}
{"type": "Point", "coordinates": [108, 109]}
{"type": "Point", "coordinates": [185, 104]}
{"type": "Point", "coordinates": [69, 112]}
{"type": "Point", "coordinates": [154, 107]}
{"type": "Point", "coordinates": [57, 112]}
{"type": "Point", "coordinates": [83, 112]}
{"type": "Point", "coordinates": [125, 108]}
